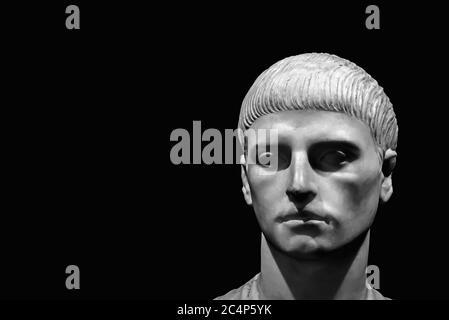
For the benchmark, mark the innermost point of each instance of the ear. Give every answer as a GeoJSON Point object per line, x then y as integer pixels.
{"type": "Point", "coordinates": [387, 171]}
{"type": "Point", "coordinates": [246, 190]}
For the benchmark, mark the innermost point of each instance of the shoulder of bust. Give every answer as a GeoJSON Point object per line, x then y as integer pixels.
{"type": "Point", "coordinates": [248, 291]}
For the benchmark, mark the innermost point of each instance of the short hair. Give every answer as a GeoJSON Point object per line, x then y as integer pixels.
{"type": "Point", "coordinates": [325, 82]}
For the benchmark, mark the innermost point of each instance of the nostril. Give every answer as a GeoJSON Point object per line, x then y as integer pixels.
{"type": "Point", "coordinates": [300, 198]}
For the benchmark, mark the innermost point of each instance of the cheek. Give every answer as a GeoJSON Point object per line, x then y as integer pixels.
{"type": "Point", "coordinates": [362, 194]}
{"type": "Point", "coordinates": [354, 194]}
{"type": "Point", "coordinates": [267, 190]}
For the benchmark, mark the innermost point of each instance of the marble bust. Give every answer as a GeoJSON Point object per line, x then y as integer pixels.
{"type": "Point", "coordinates": [335, 153]}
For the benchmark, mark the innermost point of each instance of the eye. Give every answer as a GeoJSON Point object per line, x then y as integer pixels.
{"type": "Point", "coordinates": [264, 159]}
{"type": "Point", "coordinates": [330, 156]}
{"type": "Point", "coordinates": [333, 160]}
{"type": "Point", "coordinates": [273, 157]}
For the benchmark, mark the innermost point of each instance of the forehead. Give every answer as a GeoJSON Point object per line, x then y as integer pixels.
{"type": "Point", "coordinates": [312, 125]}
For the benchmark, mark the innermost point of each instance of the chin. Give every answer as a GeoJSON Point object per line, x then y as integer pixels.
{"type": "Point", "coordinates": [305, 246]}
{"type": "Point", "coordinates": [302, 245]}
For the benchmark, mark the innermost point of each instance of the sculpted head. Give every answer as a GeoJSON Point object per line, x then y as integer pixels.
{"type": "Point", "coordinates": [335, 152]}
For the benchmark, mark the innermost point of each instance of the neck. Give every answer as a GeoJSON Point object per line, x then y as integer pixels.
{"type": "Point", "coordinates": [340, 274]}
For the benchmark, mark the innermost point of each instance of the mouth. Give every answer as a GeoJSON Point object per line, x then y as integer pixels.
{"type": "Point", "coordinates": [304, 217]}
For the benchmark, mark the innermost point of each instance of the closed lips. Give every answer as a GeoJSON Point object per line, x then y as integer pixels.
{"type": "Point", "coordinates": [304, 215]}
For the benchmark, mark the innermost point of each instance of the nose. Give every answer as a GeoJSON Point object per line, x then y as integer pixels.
{"type": "Point", "coordinates": [302, 187]}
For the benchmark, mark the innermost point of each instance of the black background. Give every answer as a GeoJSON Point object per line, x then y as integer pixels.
{"type": "Point", "coordinates": [87, 117]}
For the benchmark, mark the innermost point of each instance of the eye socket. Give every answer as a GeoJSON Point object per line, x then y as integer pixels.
{"type": "Point", "coordinates": [279, 160]}
{"type": "Point", "coordinates": [264, 159]}
{"type": "Point", "coordinates": [334, 160]}
{"type": "Point", "coordinates": [330, 156]}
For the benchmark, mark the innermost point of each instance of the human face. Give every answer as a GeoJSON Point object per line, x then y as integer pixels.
{"type": "Point", "coordinates": [325, 189]}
